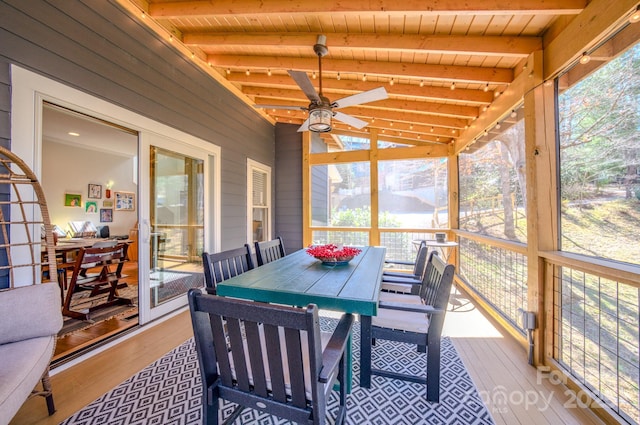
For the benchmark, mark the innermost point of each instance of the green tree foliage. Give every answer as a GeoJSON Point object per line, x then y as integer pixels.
{"type": "Point", "coordinates": [598, 125]}
{"type": "Point", "coordinates": [361, 217]}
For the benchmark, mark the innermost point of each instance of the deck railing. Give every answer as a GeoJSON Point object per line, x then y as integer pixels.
{"type": "Point", "coordinates": [596, 309]}
{"type": "Point", "coordinates": [496, 270]}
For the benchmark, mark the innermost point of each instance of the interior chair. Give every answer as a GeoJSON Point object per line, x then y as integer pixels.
{"type": "Point", "coordinates": [268, 251]}
{"type": "Point", "coordinates": [30, 316]}
{"type": "Point", "coordinates": [109, 261]}
{"type": "Point", "coordinates": [417, 320]}
{"type": "Point", "coordinates": [224, 265]}
{"type": "Point", "coordinates": [268, 357]}
{"type": "Point", "coordinates": [406, 282]}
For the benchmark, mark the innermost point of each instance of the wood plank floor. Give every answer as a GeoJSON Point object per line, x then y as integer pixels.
{"type": "Point", "coordinates": [72, 343]}
{"type": "Point", "coordinates": [511, 388]}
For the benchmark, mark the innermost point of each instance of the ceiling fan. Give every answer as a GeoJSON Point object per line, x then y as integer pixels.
{"type": "Point", "coordinates": [321, 109]}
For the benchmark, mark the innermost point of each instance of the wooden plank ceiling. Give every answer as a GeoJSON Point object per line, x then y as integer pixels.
{"type": "Point", "coordinates": [442, 62]}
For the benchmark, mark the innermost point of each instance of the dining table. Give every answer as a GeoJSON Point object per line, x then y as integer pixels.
{"type": "Point", "coordinates": [299, 279]}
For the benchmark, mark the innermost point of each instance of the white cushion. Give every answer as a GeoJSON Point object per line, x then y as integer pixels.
{"type": "Point", "coordinates": [400, 298]}
{"type": "Point", "coordinates": [401, 320]}
{"type": "Point", "coordinates": [30, 312]}
{"type": "Point", "coordinates": [396, 287]}
{"type": "Point", "coordinates": [23, 364]}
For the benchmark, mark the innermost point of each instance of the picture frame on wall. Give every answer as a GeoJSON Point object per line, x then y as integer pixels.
{"type": "Point", "coordinates": [107, 204]}
{"type": "Point", "coordinates": [94, 191]}
{"type": "Point", "coordinates": [73, 200]}
{"type": "Point", "coordinates": [125, 201]}
{"type": "Point", "coordinates": [91, 207]}
{"type": "Point", "coordinates": [106, 215]}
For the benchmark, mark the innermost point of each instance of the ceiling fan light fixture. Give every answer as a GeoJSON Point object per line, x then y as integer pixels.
{"type": "Point", "coordinates": [320, 120]}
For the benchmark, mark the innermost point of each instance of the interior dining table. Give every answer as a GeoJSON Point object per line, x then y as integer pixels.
{"type": "Point", "coordinates": [299, 279]}
{"type": "Point", "coordinates": [66, 250]}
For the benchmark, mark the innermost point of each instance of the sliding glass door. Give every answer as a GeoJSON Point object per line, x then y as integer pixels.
{"type": "Point", "coordinates": [174, 233]}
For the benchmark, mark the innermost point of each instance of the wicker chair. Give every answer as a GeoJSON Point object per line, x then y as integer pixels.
{"type": "Point", "coordinates": [30, 296]}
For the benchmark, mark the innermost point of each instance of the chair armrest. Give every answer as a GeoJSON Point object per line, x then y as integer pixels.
{"type": "Point", "coordinates": [335, 347]}
{"type": "Point", "coordinates": [416, 308]}
{"type": "Point", "coordinates": [404, 263]}
{"type": "Point", "coordinates": [406, 280]}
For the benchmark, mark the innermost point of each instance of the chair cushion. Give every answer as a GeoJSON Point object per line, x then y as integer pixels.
{"type": "Point", "coordinates": [401, 320]}
{"type": "Point", "coordinates": [23, 364]}
{"type": "Point", "coordinates": [400, 298]}
{"type": "Point", "coordinates": [30, 312]}
{"type": "Point", "coordinates": [324, 336]}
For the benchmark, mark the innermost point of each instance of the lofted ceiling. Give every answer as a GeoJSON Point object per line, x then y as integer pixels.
{"type": "Point", "coordinates": [443, 63]}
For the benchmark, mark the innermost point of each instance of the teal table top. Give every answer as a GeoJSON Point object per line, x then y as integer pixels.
{"type": "Point", "coordinates": [299, 279]}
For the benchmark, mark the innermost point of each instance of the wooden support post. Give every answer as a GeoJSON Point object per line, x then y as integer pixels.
{"type": "Point", "coordinates": [542, 200]}
{"type": "Point", "coordinates": [374, 234]}
{"type": "Point", "coordinates": [306, 189]}
{"type": "Point", "coordinates": [454, 202]}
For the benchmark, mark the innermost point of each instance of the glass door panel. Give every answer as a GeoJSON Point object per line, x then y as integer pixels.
{"type": "Point", "coordinates": [176, 224]}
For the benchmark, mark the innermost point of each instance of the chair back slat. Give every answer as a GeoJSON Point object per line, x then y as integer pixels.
{"type": "Point", "coordinates": [268, 251]}
{"type": "Point", "coordinates": [436, 283]}
{"type": "Point", "coordinates": [276, 369]}
{"type": "Point", "coordinates": [296, 367]}
{"type": "Point", "coordinates": [256, 357]}
{"type": "Point", "coordinates": [237, 349]}
{"type": "Point", "coordinates": [218, 339]}
{"type": "Point", "coordinates": [224, 265]}
{"type": "Point", "coordinates": [421, 261]}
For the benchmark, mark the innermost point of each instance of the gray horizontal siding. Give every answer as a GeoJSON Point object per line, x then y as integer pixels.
{"type": "Point", "coordinates": [288, 186]}
{"type": "Point", "coordinates": [100, 49]}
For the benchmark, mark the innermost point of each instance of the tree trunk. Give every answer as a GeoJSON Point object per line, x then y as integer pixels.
{"type": "Point", "coordinates": [509, 223]}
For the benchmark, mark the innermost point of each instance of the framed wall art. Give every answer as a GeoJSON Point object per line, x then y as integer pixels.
{"type": "Point", "coordinates": [95, 191]}
{"type": "Point", "coordinates": [72, 200]}
{"type": "Point", "coordinates": [125, 201]}
{"type": "Point", "coordinates": [106, 215]}
{"type": "Point", "coordinates": [91, 207]}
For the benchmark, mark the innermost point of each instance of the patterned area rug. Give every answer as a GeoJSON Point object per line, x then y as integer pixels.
{"type": "Point", "coordinates": [168, 392]}
{"type": "Point", "coordinates": [82, 300]}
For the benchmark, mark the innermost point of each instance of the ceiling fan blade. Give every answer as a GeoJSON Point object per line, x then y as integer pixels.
{"type": "Point", "coordinates": [302, 79]}
{"type": "Point", "coordinates": [352, 121]}
{"type": "Point", "coordinates": [292, 108]}
{"type": "Point", "coordinates": [304, 126]}
{"type": "Point", "coordinates": [364, 97]}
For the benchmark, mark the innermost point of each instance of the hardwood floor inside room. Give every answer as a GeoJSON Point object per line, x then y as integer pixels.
{"type": "Point", "coordinates": [496, 363]}
{"type": "Point", "coordinates": [80, 341]}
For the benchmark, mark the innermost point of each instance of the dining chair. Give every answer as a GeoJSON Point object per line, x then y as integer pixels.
{"type": "Point", "coordinates": [417, 320]}
{"type": "Point", "coordinates": [109, 261]}
{"type": "Point", "coordinates": [268, 251]}
{"type": "Point", "coordinates": [406, 282]}
{"type": "Point", "coordinates": [272, 358]}
{"type": "Point", "coordinates": [223, 265]}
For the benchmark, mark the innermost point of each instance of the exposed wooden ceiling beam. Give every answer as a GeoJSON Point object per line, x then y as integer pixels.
{"type": "Point", "coordinates": [406, 105]}
{"type": "Point", "coordinates": [582, 33]}
{"type": "Point", "coordinates": [251, 7]}
{"type": "Point", "coordinates": [472, 74]}
{"type": "Point", "coordinates": [352, 86]}
{"type": "Point", "coordinates": [468, 45]}
{"type": "Point", "coordinates": [442, 126]}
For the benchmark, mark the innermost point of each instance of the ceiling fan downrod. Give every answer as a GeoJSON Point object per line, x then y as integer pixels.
{"type": "Point", "coordinates": [321, 50]}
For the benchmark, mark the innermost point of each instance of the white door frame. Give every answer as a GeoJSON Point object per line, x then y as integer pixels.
{"type": "Point", "coordinates": [30, 90]}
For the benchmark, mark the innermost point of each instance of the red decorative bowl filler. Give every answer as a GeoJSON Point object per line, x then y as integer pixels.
{"type": "Point", "coordinates": [331, 253]}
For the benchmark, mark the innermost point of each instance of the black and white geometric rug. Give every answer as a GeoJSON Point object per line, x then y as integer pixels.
{"type": "Point", "coordinates": [168, 392]}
